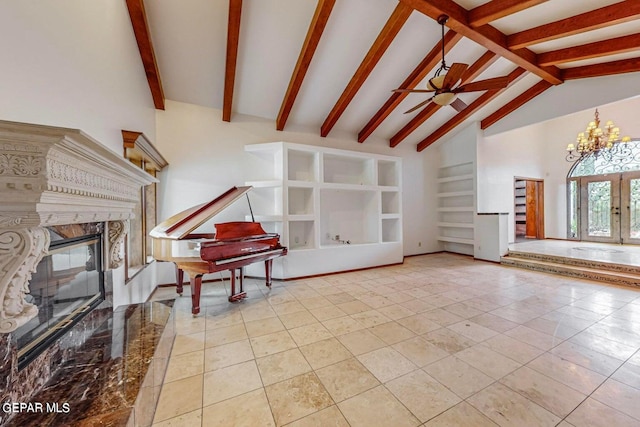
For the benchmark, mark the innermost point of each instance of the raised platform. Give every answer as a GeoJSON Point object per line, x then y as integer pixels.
{"type": "Point", "coordinates": [611, 263]}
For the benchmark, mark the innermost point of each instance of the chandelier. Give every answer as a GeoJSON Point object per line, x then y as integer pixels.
{"type": "Point", "coordinates": [597, 141]}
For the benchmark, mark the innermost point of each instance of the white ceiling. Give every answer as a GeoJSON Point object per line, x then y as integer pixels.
{"type": "Point", "coordinates": [190, 37]}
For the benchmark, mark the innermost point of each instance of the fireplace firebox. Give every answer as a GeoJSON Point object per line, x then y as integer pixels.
{"type": "Point", "coordinates": [67, 284]}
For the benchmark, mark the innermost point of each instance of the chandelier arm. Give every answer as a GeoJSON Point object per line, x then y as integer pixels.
{"type": "Point", "coordinates": [596, 141]}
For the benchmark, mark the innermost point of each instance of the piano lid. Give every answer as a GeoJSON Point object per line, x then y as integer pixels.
{"type": "Point", "coordinates": [181, 224]}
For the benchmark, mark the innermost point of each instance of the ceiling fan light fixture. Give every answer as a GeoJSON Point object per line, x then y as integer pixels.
{"type": "Point", "coordinates": [436, 82]}
{"type": "Point", "coordinates": [444, 98]}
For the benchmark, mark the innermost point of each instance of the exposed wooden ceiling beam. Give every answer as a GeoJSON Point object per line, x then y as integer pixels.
{"type": "Point", "coordinates": [480, 102]}
{"type": "Point", "coordinates": [471, 73]}
{"type": "Point", "coordinates": [621, 66]}
{"type": "Point", "coordinates": [479, 66]}
{"type": "Point", "coordinates": [417, 75]}
{"type": "Point", "coordinates": [143, 38]}
{"type": "Point", "coordinates": [606, 16]}
{"type": "Point", "coordinates": [389, 31]}
{"type": "Point", "coordinates": [233, 36]}
{"type": "Point", "coordinates": [486, 35]}
{"type": "Point", "coordinates": [591, 50]}
{"type": "Point", "coordinates": [515, 103]}
{"type": "Point", "coordinates": [497, 9]}
{"type": "Point", "coordinates": [318, 23]}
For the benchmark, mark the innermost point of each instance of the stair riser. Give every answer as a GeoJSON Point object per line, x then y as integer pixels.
{"type": "Point", "coordinates": [559, 269]}
{"type": "Point", "coordinates": [620, 268]}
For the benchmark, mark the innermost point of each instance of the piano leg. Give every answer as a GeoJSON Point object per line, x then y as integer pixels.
{"type": "Point", "coordinates": [195, 293]}
{"type": "Point", "coordinates": [267, 272]}
{"type": "Point", "coordinates": [179, 280]}
{"type": "Point", "coordinates": [241, 294]}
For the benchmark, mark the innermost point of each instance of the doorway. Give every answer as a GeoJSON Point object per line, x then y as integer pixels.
{"type": "Point", "coordinates": [529, 208]}
{"type": "Point", "coordinates": [607, 207]}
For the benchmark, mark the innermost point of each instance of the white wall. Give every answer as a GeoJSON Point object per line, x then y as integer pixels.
{"type": "Point", "coordinates": [538, 151]}
{"type": "Point", "coordinates": [206, 157]}
{"type": "Point", "coordinates": [569, 97]}
{"type": "Point", "coordinates": [459, 147]}
{"type": "Point", "coordinates": [75, 63]}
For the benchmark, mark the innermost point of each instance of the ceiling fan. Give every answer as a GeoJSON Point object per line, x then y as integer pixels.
{"type": "Point", "coordinates": [443, 82]}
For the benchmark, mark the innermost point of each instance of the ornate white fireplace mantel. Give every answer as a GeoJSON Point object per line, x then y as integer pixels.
{"type": "Point", "coordinates": [55, 176]}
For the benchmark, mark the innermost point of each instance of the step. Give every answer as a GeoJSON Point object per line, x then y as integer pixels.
{"type": "Point", "coordinates": [596, 265]}
{"type": "Point", "coordinates": [612, 277]}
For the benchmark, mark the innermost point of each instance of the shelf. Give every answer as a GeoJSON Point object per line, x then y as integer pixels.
{"type": "Point", "coordinates": [264, 161]}
{"type": "Point", "coordinates": [456, 194]}
{"type": "Point", "coordinates": [349, 214]}
{"type": "Point", "coordinates": [355, 187]}
{"type": "Point", "coordinates": [390, 216]}
{"type": "Point", "coordinates": [309, 217]}
{"type": "Point", "coordinates": [301, 165]}
{"type": "Point", "coordinates": [346, 169]}
{"type": "Point", "coordinates": [455, 178]}
{"type": "Point", "coordinates": [301, 234]}
{"type": "Point", "coordinates": [456, 170]}
{"type": "Point", "coordinates": [455, 224]}
{"type": "Point", "coordinates": [390, 202]}
{"type": "Point", "coordinates": [456, 209]}
{"type": "Point", "coordinates": [388, 173]}
{"type": "Point", "coordinates": [350, 245]}
{"type": "Point", "coordinates": [300, 201]}
{"type": "Point", "coordinates": [391, 230]}
{"type": "Point", "coordinates": [456, 200]}
{"type": "Point", "coordinates": [300, 184]}
{"type": "Point", "coordinates": [456, 240]}
{"type": "Point", "coordinates": [266, 200]}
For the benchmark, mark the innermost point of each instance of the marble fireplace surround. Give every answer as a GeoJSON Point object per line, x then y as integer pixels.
{"type": "Point", "coordinates": [56, 176]}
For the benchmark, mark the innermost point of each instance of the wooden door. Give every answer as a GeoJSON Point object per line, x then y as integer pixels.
{"type": "Point", "coordinates": [534, 209]}
{"type": "Point", "coordinates": [529, 208]}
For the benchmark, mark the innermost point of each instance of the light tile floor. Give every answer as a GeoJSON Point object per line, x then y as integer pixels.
{"type": "Point", "coordinates": [441, 340]}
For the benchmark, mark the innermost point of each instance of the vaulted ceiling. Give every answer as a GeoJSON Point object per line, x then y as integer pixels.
{"type": "Point", "coordinates": [332, 64]}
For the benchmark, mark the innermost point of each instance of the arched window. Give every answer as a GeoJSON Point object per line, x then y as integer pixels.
{"type": "Point", "coordinates": [625, 158]}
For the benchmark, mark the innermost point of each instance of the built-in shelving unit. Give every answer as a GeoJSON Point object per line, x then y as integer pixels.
{"type": "Point", "coordinates": [335, 210]}
{"type": "Point", "coordinates": [456, 207]}
{"type": "Point", "coordinates": [520, 208]}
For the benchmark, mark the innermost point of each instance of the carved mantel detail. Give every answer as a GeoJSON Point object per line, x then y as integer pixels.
{"type": "Point", "coordinates": [55, 176]}
{"type": "Point", "coordinates": [116, 232]}
{"type": "Point", "coordinates": [20, 253]}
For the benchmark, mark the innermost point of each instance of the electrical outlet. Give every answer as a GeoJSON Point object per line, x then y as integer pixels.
{"type": "Point", "coordinates": [419, 244]}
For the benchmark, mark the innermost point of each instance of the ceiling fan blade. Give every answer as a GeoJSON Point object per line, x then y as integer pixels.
{"type": "Point", "coordinates": [488, 84]}
{"type": "Point", "coordinates": [412, 90]}
{"type": "Point", "coordinates": [458, 104]}
{"type": "Point", "coordinates": [422, 104]}
{"type": "Point", "coordinates": [453, 75]}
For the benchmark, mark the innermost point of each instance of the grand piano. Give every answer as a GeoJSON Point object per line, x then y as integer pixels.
{"type": "Point", "coordinates": [233, 246]}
